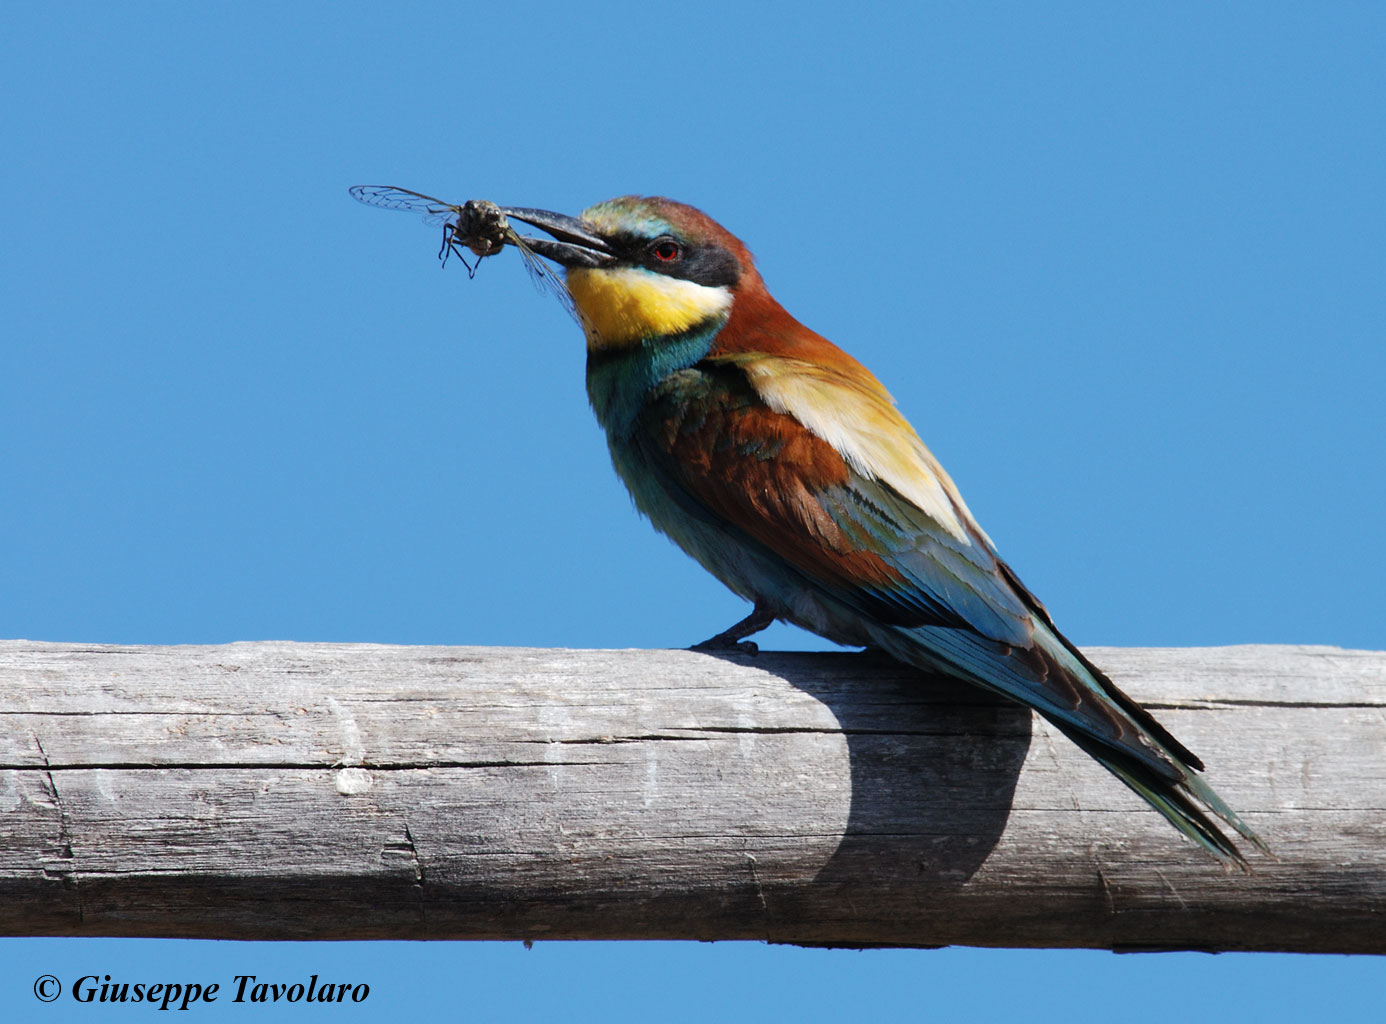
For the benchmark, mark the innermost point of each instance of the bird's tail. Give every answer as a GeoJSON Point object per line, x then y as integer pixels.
{"type": "Point", "coordinates": [1058, 681]}
{"type": "Point", "coordinates": [1186, 804]}
{"type": "Point", "coordinates": [1169, 782]}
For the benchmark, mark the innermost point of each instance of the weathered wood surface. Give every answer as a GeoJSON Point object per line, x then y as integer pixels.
{"type": "Point", "coordinates": [281, 790]}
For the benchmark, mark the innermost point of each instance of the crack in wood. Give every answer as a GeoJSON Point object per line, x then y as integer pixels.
{"type": "Point", "coordinates": [606, 741]}
{"type": "Point", "coordinates": [1213, 703]}
{"type": "Point", "coordinates": [179, 713]}
{"type": "Point", "coordinates": [66, 874]}
{"type": "Point", "coordinates": [760, 892]}
{"type": "Point", "coordinates": [323, 766]}
{"type": "Point", "coordinates": [410, 849]}
{"type": "Point", "coordinates": [1170, 886]}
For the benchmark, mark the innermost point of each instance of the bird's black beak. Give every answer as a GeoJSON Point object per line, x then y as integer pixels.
{"type": "Point", "coordinates": [572, 245]}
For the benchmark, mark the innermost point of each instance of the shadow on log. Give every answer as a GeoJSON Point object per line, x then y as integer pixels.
{"type": "Point", "coordinates": [934, 765]}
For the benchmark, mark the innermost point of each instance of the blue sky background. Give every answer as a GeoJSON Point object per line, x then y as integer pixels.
{"type": "Point", "coordinates": [1122, 268]}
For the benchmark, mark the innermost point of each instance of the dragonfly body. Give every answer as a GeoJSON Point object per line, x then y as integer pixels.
{"type": "Point", "coordinates": [478, 224]}
{"type": "Point", "coordinates": [481, 227]}
{"type": "Point", "coordinates": [484, 228]}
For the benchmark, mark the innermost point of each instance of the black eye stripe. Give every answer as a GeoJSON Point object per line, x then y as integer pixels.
{"type": "Point", "coordinates": [708, 265]}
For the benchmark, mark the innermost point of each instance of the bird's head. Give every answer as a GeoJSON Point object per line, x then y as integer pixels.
{"type": "Point", "coordinates": [641, 268]}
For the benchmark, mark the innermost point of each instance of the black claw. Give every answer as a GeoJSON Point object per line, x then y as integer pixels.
{"type": "Point", "coordinates": [723, 642]}
{"type": "Point", "coordinates": [733, 639]}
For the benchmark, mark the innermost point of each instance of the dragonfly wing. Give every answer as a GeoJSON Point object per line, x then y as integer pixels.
{"type": "Point", "coordinates": [391, 197]}
{"type": "Point", "coordinates": [543, 275]}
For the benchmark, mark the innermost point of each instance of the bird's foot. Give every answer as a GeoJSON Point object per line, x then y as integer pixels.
{"type": "Point", "coordinates": [734, 639]}
{"type": "Point", "coordinates": [726, 642]}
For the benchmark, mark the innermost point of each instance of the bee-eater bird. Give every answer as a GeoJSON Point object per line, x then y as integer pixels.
{"type": "Point", "coordinates": [779, 463]}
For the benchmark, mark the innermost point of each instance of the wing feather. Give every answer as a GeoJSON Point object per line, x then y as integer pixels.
{"type": "Point", "coordinates": [851, 504]}
{"type": "Point", "coordinates": [843, 520]}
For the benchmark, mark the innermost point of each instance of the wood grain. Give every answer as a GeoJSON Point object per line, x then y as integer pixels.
{"type": "Point", "coordinates": [283, 790]}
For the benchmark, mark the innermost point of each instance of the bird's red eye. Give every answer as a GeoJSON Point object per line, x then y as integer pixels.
{"type": "Point", "coordinates": [667, 251]}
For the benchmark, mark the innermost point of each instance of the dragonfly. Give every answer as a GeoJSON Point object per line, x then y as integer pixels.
{"type": "Point", "coordinates": [479, 225]}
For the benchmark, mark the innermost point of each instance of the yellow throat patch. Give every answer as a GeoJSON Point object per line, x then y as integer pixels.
{"type": "Point", "coordinates": [621, 306]}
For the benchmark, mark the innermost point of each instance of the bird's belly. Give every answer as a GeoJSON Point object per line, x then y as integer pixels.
{"type": "Point", "coordinates": [739, 562]}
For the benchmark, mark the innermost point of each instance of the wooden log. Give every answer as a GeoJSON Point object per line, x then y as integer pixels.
{"type": "Point", "coordinates": [312, 791]}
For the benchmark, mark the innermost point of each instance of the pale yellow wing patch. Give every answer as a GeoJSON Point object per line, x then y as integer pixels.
{"type": "Point", "coordinates": [866, 429]}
